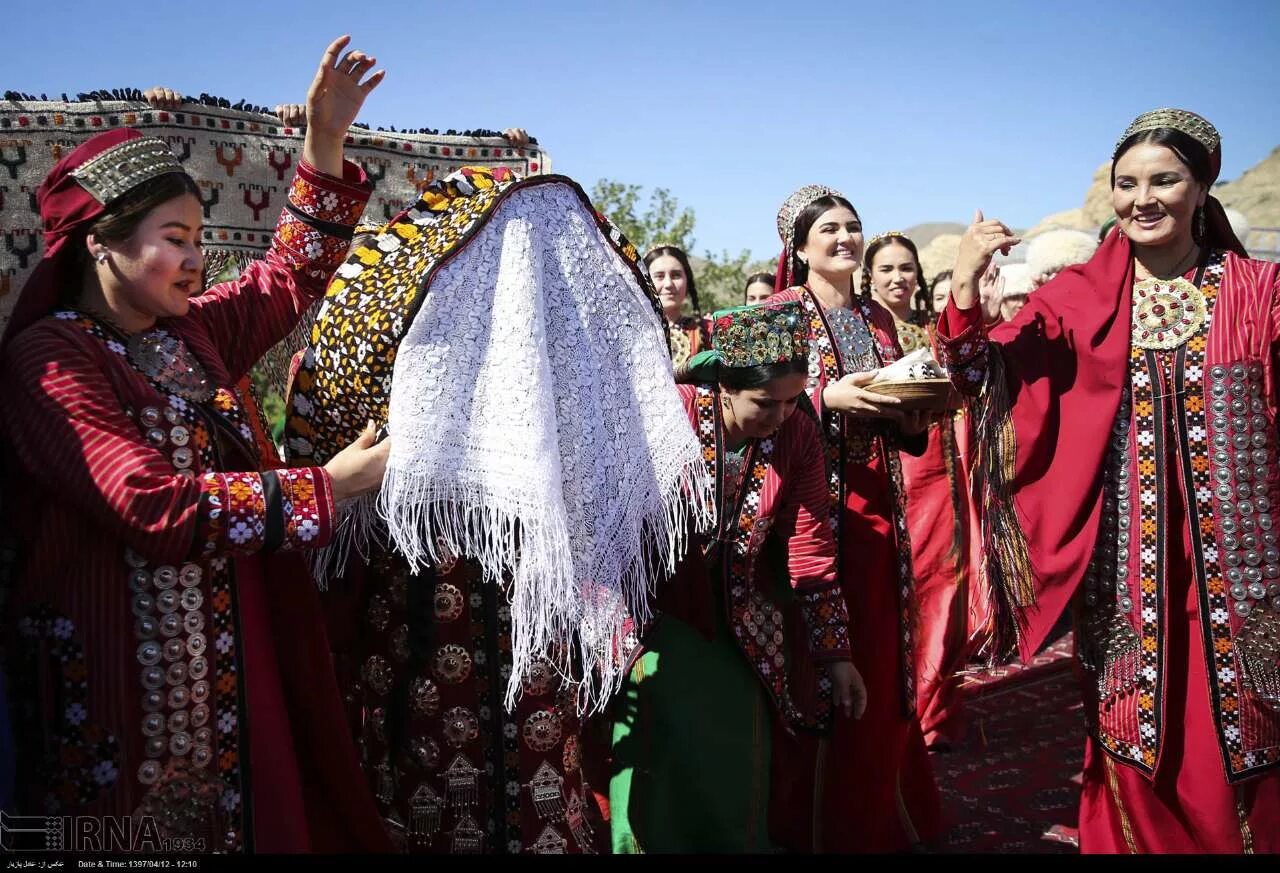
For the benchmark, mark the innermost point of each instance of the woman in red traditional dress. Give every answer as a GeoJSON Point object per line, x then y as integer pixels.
{"type": "Point", "coordinates": [166, 650]}
{"type": "Point", "coordinates": [938, 505]}
{"type": "Point", "coordinates": [672, 278]}
{"type": "Point", "coordinates": [1129, 470]}
{"type": "Point", "coordinates": [894, 279]}
{"type": "Point", "coordinates": [753, 628]}
{"type": "Point", "coordinates": [874, 786]}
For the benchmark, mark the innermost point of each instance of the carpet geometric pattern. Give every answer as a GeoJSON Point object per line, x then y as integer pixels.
{"type": "Point", "coordinates": [1012, 784]}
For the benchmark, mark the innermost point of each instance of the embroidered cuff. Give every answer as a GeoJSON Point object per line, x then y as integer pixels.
{"type": "Point", "coordinates": [963, 347]}
{"type": "Point", "coordinates": [955, 321]}
{"type": "Point", "coordinates": [245, 513]}
{"type": "Point", "coordinates": [329, 198]}
{"type": "Point", "coordinates": [827, 618]}
{"type": "Point", "coordinates": [306, 506]}
{"type": "Point", "coordinates": [232, 515]}
{"type": "Point", "coordinates": [317, 223]}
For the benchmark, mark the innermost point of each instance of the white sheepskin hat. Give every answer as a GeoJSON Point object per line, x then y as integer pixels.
{"type": "Point", "coordinates": [1052, 251]}
{"type": "Point", "coordinates": [1239, 223]}
{"type": "Point", "coordinates": [1016, 278]}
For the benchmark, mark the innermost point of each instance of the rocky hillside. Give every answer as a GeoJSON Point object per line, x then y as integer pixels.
{"type": "Point", "coordinates": [1256, 193]}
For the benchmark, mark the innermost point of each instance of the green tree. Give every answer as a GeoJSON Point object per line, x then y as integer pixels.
{"type": "Point", "coordinates": [662, 222]}
{"type": "Point", "coordinates": [719, 277]}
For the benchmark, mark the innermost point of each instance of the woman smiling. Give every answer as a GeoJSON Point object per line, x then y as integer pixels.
{"type": "Point", "coordinates": [1133, 401]}
{"type": "Point", "coordinates": [876, 789]}
{"type": "Point", "coordinates": [158, 612]}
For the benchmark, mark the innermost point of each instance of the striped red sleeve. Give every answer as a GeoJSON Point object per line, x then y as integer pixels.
{"type": "Point", "coordinates": [69, 431]}
{"type": "Point", "coordinates": [1272, 272]}
{"type": "Point", "coordinates": [803, 524]}
{"type": "Point", "coordinates": [249, 315]}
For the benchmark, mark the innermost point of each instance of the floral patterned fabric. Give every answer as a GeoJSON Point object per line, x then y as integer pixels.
{"type": "Point", "coordinates": [422, 660]}
{"type": "Point", "coordinates": [752, 336]}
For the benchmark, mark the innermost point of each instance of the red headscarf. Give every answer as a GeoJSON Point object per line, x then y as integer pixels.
{"type": "Point", "coordinates": [66, 210]}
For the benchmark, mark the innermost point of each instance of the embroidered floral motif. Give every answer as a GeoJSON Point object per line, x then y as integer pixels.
{"type": "Point", "coordinates": [965, 359]}
{"type": "Point", "coordinates": [232, 513]}
{"type": "Point", "coordinates": [306, 505]}
{"type": "Point", "coordinates": [825, 616]}
{"type": "Point", "coordinates": [84, 759]}
{"type": "Point", "coordinates": [305, 246]}
{"type": "Point", "coordinates": [768, 333]}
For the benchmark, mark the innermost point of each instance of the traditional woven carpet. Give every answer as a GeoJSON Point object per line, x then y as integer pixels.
{"type": "Point", "coordinates": [243, 162]}
{"type": "Point", "coordinates": [1011, 786]}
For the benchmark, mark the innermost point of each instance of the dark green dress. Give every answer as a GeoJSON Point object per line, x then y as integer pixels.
{"type": "Point", "coordinates": [692, 736]}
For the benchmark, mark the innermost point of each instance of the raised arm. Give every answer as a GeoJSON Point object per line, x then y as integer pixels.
{"type": "Point", "coordinates": [249, 315]}
{"type": "Point", "coordinates": [67, 427]}
{"type": "Point", "coordinates": [962, 341]}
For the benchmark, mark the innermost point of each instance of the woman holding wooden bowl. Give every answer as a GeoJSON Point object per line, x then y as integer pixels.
{"type": "Point", "coordinates": [878, 792]}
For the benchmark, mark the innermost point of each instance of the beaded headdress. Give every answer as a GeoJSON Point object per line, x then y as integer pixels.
{"type": "Point", "coordinates": [888, 234]}
{"type": "Point", "coordinates": [663, 245]}
{"type": "Point", "coordinates": [767, 333]}
{"type": "Point", "coordinates": [123, 167]}
{"type": "Point", "coordinates": [795, 204]}
{"type": "Point", "coordinates": [1194, 126]}
{"type": "Point", "coordinates": [788, 214]}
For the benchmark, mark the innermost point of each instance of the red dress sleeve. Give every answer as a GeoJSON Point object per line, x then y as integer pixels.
{"type": "Point", "coordinates": [803, 525]}
{"type": "Point", "coordinates": [69, 431]}
{"type": "Point", "coordinates": [249, 315]}
{"type": "Point", "coordinates": [962, 347]}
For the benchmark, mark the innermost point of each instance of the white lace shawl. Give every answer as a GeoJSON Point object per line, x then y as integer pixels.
{"type": "Point", "coordinates": [535, 428]}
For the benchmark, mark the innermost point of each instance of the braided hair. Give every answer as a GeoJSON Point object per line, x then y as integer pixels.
{"type": "Point", "coordinates": [922, 299]}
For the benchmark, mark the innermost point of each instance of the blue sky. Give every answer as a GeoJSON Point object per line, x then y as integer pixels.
{"type": "Point", "coordinates": [919, 111]}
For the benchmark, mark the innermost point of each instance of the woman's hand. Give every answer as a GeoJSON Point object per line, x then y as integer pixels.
{"type": "Point", "coordinates": [981, 240]}
{"type": "Point", "coordinates": [517, 136]}
{"type": "Point", "coordinates": [292, 114]}
{"type": "Point", "coordinates": [160, 97]}
{"type": "Point", "coordinates": [358, 468]}
{"type": "Point", "coordinates": [991, 294]}
{"type": "Point", "coordinates": [848, 691]}
{"type": "Point", "coordinates": [334, 101]}
{"type": "Point", "coordinates": [851, 397]}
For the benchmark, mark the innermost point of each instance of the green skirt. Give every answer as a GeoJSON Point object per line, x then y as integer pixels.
{"type": "Point", "coordinates": [691, 745]}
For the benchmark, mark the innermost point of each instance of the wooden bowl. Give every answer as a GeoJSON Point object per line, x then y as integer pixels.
{"type": "Point", "coordinates": [936, 395]}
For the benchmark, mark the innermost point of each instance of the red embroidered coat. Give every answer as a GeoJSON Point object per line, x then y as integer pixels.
{"type": "Point", "coordinates": [1177, 601]}
{"type": "Point", "coordinates": [774, 522]}
{"type": "Point", "coordinates": [168, 656]}
{"type": "Point", "coordinates": [877, 791]}
{"type": "Point", "coordinates": [939, 515]}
